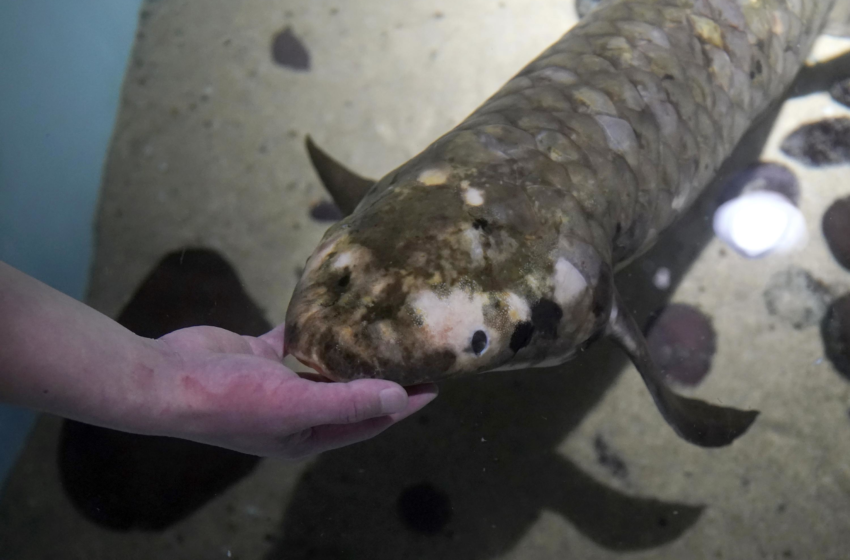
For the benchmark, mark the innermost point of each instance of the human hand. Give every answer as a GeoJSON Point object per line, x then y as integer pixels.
{"type": "Point", "coordinates": [233, 391]}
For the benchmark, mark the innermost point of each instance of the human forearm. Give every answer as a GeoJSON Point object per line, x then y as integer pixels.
{"type": "Point", "coordinates": [58, 355]}
{"type": "Point", "coordinates": [200, 383]}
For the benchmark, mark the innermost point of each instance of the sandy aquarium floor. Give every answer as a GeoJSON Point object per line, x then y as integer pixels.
{"type": "Point", "coordinates": [209, 208]}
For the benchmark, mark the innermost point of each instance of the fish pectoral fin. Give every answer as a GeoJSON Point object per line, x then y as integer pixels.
{"type": "Point", "coordinates": [696, 421]}
{"type": "Point", "coordinates": [345, 187]}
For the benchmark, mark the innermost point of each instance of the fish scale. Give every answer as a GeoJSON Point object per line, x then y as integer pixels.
{"type": "Point", "coordinates": [507, 229]}
{"type": "Point", "coordinates": [663, 51]}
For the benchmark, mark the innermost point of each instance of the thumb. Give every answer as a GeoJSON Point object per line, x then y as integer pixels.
{"type": "Point", "coordinates": [349, 403]}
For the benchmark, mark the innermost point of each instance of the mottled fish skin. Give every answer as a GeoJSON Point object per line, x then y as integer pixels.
{"type": "Point", "coordinates": [495, 247]}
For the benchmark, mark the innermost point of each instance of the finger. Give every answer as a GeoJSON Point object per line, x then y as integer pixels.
{"type": "Point", "coordinates": [334, 436]}
{"type": "Point", "coordinates": [275, 339]}
{"type": "Point", "coordinates": [346, 403]}
{"type": "Point", "coordinates": [417, 397]}
{"type": "Point", "coordinates": [263, 349]}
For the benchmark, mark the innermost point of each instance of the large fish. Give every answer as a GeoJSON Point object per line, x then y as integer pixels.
{"type": "Point", "coordinates": [496, 247]}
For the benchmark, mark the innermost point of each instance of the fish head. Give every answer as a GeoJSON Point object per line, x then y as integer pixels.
{"type": "Point", "coordinates": [427, 281]}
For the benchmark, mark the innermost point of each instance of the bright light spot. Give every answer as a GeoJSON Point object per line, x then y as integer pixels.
{"type": "Point", "coordinates": [759, 223]}
{"type": "Point", "coordinates": [661, 279]}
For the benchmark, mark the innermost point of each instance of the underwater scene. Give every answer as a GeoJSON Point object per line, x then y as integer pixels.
{"type": "Point", "coordinates": [436, 280]}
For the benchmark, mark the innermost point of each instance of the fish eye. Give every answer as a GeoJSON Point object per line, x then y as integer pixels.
{"type": "Point", "coordinates": [479, 342]}
{"type": "Point", "coordinates": [343, 282]}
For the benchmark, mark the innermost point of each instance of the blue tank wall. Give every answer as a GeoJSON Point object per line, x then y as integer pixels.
{"type": "Point", "coordinates": [61, 64]}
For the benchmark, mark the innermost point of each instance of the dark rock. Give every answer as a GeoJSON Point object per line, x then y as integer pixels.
{"type": "Point", "coordinates": [289, 51]}
{"type": "Point", "coordinates": [763, 177]}
{"type": "Point", "coordinates": [682, 342]}
{"type": "Point", "coordinates": [797, 297]}
{"type": "Point", "coordinates": [835, 331]}
{"type": "Point", "coordinates": [836, 230]}
{"type": "Point", "coordinates": [326, 211]}
{"type": "Point", "coordinates": [825, 142]}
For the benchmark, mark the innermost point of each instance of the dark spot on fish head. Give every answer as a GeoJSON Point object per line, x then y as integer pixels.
{"type": "Point", "coordinates": [481, 224]}
{"type": "Point", "coordinates": [424, 509]}
{"type": "Point", "coordinates": [835, 332]}
{"type": "Point", "coordinates": [546, 315]}
{"type": "Point", "coordinates": [521, 336]}
{"type": "Point", "coordinates": [836, 230]}
{"type": "Point", "coordinates": [682, 343]}
{"type": "Point", "coordinates": [826, 142]}
{"type": "Point", "coordinates": [289, 51]}
{"type": "Point", "coordinates": [772, 177]}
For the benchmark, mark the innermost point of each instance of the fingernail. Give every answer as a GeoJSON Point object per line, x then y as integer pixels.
{"type": "Point", "coordinates": [392, 400]}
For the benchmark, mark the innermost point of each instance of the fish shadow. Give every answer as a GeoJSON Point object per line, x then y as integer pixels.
{"type": "Point", "coordinates": [469, 475]}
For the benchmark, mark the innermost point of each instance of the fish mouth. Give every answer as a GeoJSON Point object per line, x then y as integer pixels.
{"type": "Point", "coordinates": [291, 339]}
{"type": "Point", "coordinates": [313, 365]}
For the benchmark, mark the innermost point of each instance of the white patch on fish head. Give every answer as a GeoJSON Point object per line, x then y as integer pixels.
{"type": "Point", "coordinates": [518, 308]}
{"type": "Point", "coordinates": [379, 286]}
{"type": "Point", "coordinates": [452, 322]}
{"type": "Point", "coordinates": [473, 237]}
{"type": "Point", "coordinates": [434, 176]}
{"type": "Point", "coordinates": [343, 260]}
{"type": "Point", "coordinates": [569, 283]}
{"type": "Point", "coordinates": [320, 254]}
{"type": "Point", "coordinates": [353, 260]}
{"type": "Point", "coordinates": [471, 195]}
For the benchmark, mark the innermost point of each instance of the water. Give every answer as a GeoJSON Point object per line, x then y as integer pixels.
{"type": "Point", "coordinates": [573, 462]}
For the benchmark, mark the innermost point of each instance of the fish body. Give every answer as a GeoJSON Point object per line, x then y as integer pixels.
{"type": "Point", "coordinates": [495, 247]}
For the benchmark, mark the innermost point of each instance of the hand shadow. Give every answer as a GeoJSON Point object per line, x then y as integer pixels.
{"type": "Point", "coordinates": [128, 481]}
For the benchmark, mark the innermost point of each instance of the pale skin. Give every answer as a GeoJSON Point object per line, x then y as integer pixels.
{"type": "Point", "coordinates": [203, 384]}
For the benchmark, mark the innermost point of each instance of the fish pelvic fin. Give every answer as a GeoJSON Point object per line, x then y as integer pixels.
{"type": "Point", "coordinates": [345, 187]}
{"type": "Point", "coordinates": [696, 421]}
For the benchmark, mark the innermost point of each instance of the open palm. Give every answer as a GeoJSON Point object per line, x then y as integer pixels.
{"type": "Point", "coordinates": [233, 391]}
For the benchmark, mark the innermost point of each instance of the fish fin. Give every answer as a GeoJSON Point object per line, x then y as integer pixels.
{"type": "Point", "coordinates": [696, 421]}
{"type": "Point", "coordinates": [819, 77]}
{"type": "Point", "coordinates": [345, 187]}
